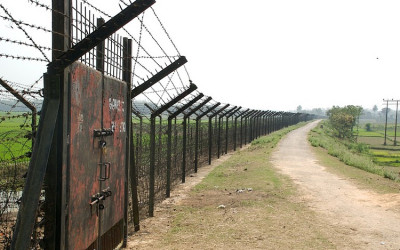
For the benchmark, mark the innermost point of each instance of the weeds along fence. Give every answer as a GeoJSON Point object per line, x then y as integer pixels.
{"type": "Point", "coordinates": [121, 122]}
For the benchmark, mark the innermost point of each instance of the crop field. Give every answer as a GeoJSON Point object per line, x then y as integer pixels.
{"type": "Point", "coordinates": [384, 155]}
{"type": "Point", "coordinates": [15, 130]}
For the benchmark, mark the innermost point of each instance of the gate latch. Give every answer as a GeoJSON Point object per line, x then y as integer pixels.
{"type": "Point", "coordinates": [105, 169]}
{"type": "Point", "coordinates": [100, 196]}
{"type": "Point", "coordinates": [103, 132]}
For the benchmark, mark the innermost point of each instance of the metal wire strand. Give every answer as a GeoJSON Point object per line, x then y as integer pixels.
{"type": "Point", "coordinates": [24, 31]}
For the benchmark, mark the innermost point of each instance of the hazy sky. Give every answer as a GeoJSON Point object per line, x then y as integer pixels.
{"type": "Point", "coordinates": [278, 54]}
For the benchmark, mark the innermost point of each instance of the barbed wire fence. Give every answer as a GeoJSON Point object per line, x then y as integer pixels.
{"type": "Point", "coordinates": [176, 128]}
{"type": "Point", "coordinates": [21, 97]}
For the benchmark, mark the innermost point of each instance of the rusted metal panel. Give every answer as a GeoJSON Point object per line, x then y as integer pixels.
{"type": "Point", "coordinates": [114, 117]}
{"type": "Point", "coordinates": [83, 172]}
{"type": "Point", "coordinates": [96, 160]}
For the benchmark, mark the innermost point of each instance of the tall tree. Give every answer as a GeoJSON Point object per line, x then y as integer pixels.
{"type": "Point", "coordinates": [343, 120]}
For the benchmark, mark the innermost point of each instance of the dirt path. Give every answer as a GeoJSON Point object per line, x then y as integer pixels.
{"type": "Point", "coordinates": [153, 229]}
{"type": "Point", "coordinates": [369, 218]}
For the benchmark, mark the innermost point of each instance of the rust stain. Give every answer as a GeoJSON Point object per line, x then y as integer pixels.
{"type": "Point", "coordinates": [85, 154]}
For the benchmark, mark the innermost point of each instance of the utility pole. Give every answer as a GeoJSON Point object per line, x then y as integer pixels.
{"type": "Point", "coordinates": [395, 126]}
{"type": "Point", "coordinates": [387, 107]}
{"type": "Point", "coordinates": [388, 102]}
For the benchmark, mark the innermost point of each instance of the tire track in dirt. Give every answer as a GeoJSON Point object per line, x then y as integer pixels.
{"type": "Point", "coordinates": [367, 217]}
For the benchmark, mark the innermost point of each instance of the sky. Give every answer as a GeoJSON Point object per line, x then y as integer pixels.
{"type": "Point", "coordinates": [279, 54]}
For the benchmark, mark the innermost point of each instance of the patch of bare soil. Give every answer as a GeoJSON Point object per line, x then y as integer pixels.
{"type": "Point", "coordinates": [370, 219]}
{"type": "Point", "coordinates": [154, 229]}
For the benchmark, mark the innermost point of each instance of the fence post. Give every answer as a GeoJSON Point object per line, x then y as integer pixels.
{"type": "Point", "coordinates": [175, 114]}
{"type": "Point", "coordinates": [252, 125]}
{"type": "Point", "coordinates": [187, 116]}
{"type": "Point", "coordinates": [267, 122]}
{"type": "Point", "coordinates": [37, 168]}
{"type": "Point", "coordinates": [221, 117]}
{"type": "Point", "coordinates": [235, 133]}
{"type": "Point", "coordinates": [231, 113]}
{"type": "Point", "coordinates": [274, 121]}
{"type": "Point", "coordinates": [209, 122]}
{"type": "Point", "coordinates": [196, 140]}
{"type": "Point", "coordinates": [210, 132]}
{"type": "Point", "coordinates": [169, 143]}
{"type": "Point", "coordinates": [154, 114]}
{"type": "Point", "coordinates": [262, 123]}
{"type": "Point", "coordinates": [264, 129]}
{"type": "Point", "coordinates": [169, 155]}
{"type": "Point", "coordinates": [257, 124]}
{"type": "Point", "coordinates": [139, 146]}
{"type": "Point", "coordinates": [130, 160]}
{"type": "Point", "coordinates": [152, 164]}
{"type": "Point", "coordinates": [27, 104]}
{"type": "Point", "coordinates": [184, 140]}
{"type": "Point", "coordinates": [48, 150]}
{"type": "Point", "coordinates": [244, 135]}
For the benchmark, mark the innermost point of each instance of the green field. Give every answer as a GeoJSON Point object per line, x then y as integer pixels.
{"type": "Point", "coordinates": [384, 155]}
{"type": "Point", "coordinates": [14, 128]}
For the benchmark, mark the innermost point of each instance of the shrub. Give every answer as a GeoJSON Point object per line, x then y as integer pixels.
{"type": "Point", "coordinates": [368, 127]}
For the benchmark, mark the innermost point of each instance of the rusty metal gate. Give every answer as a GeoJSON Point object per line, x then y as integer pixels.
{"type": "Point", "coordinates": [96, 172]}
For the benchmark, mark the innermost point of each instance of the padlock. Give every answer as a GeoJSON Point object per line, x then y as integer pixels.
{"type": "Point", "coordinates": [101, 206]}
{"type": "Point", "coordinates": [103, 146]}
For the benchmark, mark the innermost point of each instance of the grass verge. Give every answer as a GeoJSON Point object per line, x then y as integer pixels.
{"type": "Point", "coordinates": [351, 154]}
{"type": "Point", "coordinates": [245, 203]}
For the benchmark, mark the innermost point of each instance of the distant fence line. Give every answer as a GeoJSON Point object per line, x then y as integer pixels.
{"type": "Point", "coordinates": [199, 146]}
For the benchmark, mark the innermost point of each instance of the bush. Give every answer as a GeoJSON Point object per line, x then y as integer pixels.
{"type": "Point", "coordinates": [368, 127]}
{"type": "Point", "coordinates": [343, 120]}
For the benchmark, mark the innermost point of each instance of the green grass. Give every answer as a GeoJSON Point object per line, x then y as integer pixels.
{"type": "Point", "coordinates": [14, 127]}
{"type": "Point", "coordinates": [353, 154]}
{"type": "Point", "coordinates": [230, 179]}
{"type": "Point", "coordinates": [270, 211]}
{"type": "Point", "coordinates": [361, 178]}
{"type": "Point", "coordinates": [365, 133]}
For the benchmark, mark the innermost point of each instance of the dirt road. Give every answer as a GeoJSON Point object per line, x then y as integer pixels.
{"type": "Point", "coordinates": [370, 219]}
